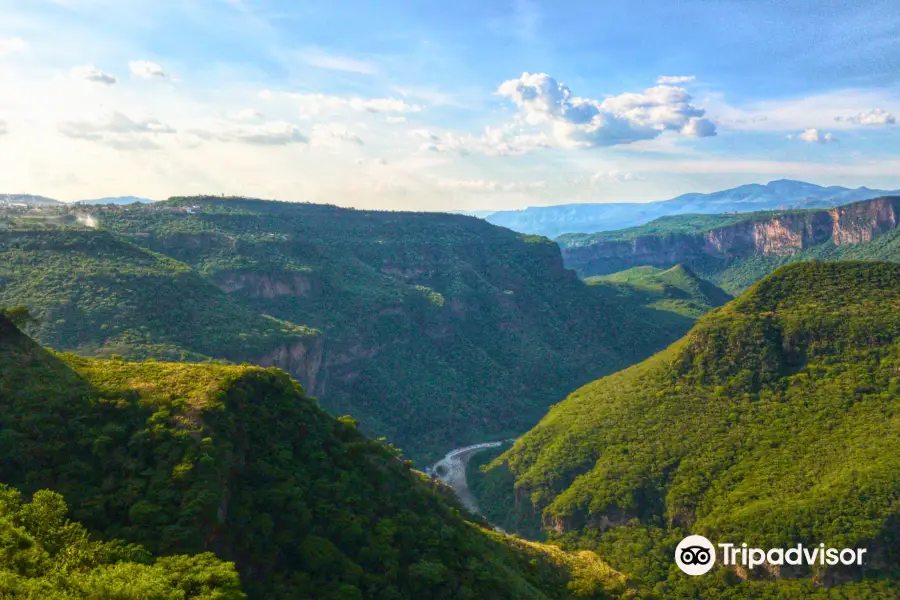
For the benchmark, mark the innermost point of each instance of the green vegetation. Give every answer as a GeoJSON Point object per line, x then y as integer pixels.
{"type": "Point", "coordinates": [44, 556]}
{"type": "Point", "coordinates": [668, 226]}
{"type": "Point", "coordinates": [433, 330]}
{"type": "Point", "coordinates": [100, 296]}
{"type": "Point", "coordinates": [187, 459]}
{"type": "Point", "coordinates": [677, 290]}
{"type": "Point", "coordinates": [734, 251]}
{"type": "Point", "coordinates": [741, 274]}
{"type": "Point", "coordinates": [774, 421]}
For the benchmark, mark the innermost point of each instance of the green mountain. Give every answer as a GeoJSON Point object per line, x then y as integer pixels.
{"type": "Point", "coordinates": [98, 295]}
{"type": "Point", "coordinates": [434, 330]}
{"type": "Point", "coordinates": [736, 250]}
{"type": "Point", "coordinates": [773, 422]}
{"type": "Point", "coordinates": [188, 459]}
{"type": "Point", "coordinates": [677, 291]}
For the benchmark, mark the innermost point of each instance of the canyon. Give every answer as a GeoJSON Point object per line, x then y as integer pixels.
{"type": "Point", "coordinates": [781, 234]}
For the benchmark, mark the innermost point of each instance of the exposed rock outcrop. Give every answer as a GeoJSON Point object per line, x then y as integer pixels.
{"type": "Point", "coordinates": [781, 235]}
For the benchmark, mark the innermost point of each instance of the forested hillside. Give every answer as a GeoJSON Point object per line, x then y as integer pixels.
{"type": "Point", "coordinates": [773, 422]}
{"type": "Point", "coordinates": [677, 292]}
{"type": "Point", "coordinates": [45, 556]}
{"type": "Point", "coordinates": [190, 459]}
{"type": "Point", "coordinates": [98, 295]}
{"type": "Point", "coordinates": [736, 250]}
{"type": "Point", "coordinates": [433, 330]}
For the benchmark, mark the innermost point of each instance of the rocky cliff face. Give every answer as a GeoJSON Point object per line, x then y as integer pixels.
{"type": "Point", "coordinates": [782, 235]}
{"type": "Point", "coordinates": [303, 360]}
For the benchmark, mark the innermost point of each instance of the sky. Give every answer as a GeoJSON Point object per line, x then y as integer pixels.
{"type": "Point", "coordinates": [421, 105]}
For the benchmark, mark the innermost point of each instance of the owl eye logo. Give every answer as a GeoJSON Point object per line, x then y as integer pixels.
{"type": "Point", "coordinates": [695, 555]}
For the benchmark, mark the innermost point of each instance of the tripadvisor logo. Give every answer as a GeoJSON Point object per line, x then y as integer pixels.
{"type": "Point", "coordinates": [696, 555]}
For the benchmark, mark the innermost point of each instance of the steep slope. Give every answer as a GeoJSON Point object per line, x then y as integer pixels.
{"type": "Point", "coordinates": [553, 221]}
{"type": "Point", "coordinates": [678, 290]}
{"type": "Point", "coordinates": [188, 458]}
{"type": "Point", "coordinates": [736, 250]}
{"type": "Point", "coordinates": [98, 295]}
{"type": "Point", "coordinates": [775, 421]}
{"type": "Point", "coordinates": [45, 556]}
{"type": "Point", "coordinates": [436, 330]}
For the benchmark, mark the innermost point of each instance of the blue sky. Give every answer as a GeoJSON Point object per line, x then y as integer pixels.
{"type": "Point", "coordinates": [436, 106]}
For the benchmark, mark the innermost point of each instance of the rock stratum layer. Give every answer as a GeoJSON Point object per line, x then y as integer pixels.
{"type": "Point", "coordinates": [756, 234]}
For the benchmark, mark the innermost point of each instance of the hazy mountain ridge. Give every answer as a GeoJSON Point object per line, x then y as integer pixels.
{"type": "Point", "coordinates": [553, 221]}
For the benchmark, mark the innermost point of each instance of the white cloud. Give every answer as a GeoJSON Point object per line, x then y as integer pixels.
{"type": "Point", "coordinates": [395, 120]}
{"type": "Point", "coordinates": [93, 74]}
{"type": "Point", "coordinates": [495, 141]}
{"type": "Point", "coordinates": [117, 131]}
{"type": "Point", "coordinates": [329, 133]}
{"type": "Point", "coordinates": [147, 70]}
{"type": "Point", "coordinates": [484, 185]}
{"type": "Point", "coordinates": [316, 57]}
{"type": "Point", "coordinates": [273, 133]}
{"type": "Point", "coordinates": [814, 136]}
{"type": "Point", "coordinates": [875, 116]}
{"type": "Point", "coordinates": [12, 45]}
{"type": "Point", "coordinates": [816, 111]}
{"type": "Point", "coordinates": [248, 114]}
{"type": "Point", "coordinates": [675, 79]}
{"type": "Point", "coordinates": [585, 123]}
{"type": "Point", "coordinates": [3, 129]}
{"type": "Point", "coordinates": [615, 176]}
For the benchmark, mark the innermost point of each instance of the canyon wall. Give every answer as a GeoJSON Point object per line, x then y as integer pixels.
{"type": "Point", "coordinates": [782, 235]}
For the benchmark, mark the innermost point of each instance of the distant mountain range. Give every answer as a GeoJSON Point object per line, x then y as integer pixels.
{"type": "Point", "coordinates": [553, 221]}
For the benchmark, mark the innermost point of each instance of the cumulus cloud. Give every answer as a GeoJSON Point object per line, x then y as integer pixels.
{"type": "Point", "coordinates": [147, 70]}
{"type": "Point", "coordinates": [93, 75]}
{"type": "Point", "coordinates": [118, 131]}
{"type": "Point", "coordinates": [12, 45]}
{"type": "Point", "coordinates": [675, 79]}
{"type": "Point", "coordinates": [623, 119]}
{"type": "Point", "coordinates": [814, 136]}
{"type": "Point", "coordinates": [875, 116]}
{"type": "Point", "coordinates": [482, 185]}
